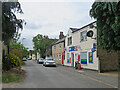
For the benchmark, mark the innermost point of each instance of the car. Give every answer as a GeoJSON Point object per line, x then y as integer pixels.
{"type": "Point", "coordinates": [24, 59]}
{"type": "Point", "coordinates": [49, 62]}
{"type": "Point", "coordinates": [29, 59]}
{"type": "Point", "coordinates": [40, 60]}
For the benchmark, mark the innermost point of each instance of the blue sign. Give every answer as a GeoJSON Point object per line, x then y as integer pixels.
{"type": "Point", "coordinates": [94, 45]}
{"type": "Point", "coordinates": [90, 57]}
{"type": "Point", "coordinates": [74, 48]}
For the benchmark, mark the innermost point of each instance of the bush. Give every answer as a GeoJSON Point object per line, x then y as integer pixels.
{"type": "Point", "coordinates": [11, 61]}
{"type": "Point", "coordinates": [17, 52]}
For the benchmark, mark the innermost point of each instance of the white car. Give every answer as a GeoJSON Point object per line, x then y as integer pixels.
{"type": "Point", "coordinates": [40, 60]}
{"type": "Point", "coordinates": [24, 59]}
{"type": "Point", "coordinates": [49, 62]}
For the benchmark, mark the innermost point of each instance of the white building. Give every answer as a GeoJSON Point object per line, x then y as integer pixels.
{"type": "Point", "coordinates": [80, 48]}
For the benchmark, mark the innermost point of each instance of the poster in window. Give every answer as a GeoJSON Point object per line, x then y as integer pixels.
{"type": "Point", "coordinates": [90, 57]}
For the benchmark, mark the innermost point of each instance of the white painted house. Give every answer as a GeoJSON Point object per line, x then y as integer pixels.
{"type": "Point", "coordinates": [79, 47]}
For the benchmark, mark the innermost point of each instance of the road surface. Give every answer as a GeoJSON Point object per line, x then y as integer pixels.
{"type": "Point", "coordinates": [38, 76]}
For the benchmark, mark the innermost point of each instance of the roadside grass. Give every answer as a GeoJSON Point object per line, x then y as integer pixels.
{"type": "Point", "coordinates": [23, 63]}
{"type": "Point", "coordinates": [13, 76]}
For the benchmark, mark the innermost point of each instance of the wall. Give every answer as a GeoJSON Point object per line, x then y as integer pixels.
{"type": "Point", "coordinates": [33, 57]}
{"type": "Point", "coordinates": [57, 51]}
{"type": "Point", "coordinates": [108, 61]}
{"type": "Point", "coordinates": [4, 47]}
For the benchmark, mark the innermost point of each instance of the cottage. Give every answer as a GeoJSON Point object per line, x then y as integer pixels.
{"type": "Point", "coordinates": [58, 52]}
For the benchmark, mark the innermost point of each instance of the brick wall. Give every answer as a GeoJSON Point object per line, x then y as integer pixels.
{"type": "Point", "coordinates": [108, 61]}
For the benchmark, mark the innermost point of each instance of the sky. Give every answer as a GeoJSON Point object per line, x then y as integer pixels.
{"type": "Point", "coordinates": [49, 18]}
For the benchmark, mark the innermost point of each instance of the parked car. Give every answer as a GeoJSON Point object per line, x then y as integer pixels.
{"type": "Point", "coordinates": [29, 59]}
{"type": "Point", "coordinates": [49, 62]}
{"type": "Point", "coordinates": [24, 59]}
{"type": "Point", "coordinates": [40, 60]}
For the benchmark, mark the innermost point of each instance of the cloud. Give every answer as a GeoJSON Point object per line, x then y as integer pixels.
{"type": "Point", "coordinates": [51, 18]}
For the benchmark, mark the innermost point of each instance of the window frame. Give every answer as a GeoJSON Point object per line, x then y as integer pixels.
{"type": "Point", "coordinates": [82, 36]}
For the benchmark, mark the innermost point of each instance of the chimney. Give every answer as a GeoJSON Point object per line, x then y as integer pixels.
{"type": "Point", "coordinates": [61, 35]}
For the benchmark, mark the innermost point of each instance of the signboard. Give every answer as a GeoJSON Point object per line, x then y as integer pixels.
{"type": "Point", "coordinates": [94, 45]}
{"type": "Point", "coordinates": [74, 48]}
{"type": "Point", "coordinates": [90, 57]}
{"type": "Point", "coordinates": [83, 57]}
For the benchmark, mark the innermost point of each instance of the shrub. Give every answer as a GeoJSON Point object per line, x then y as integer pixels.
{"type": "Point", "coordinates": [11, 61]}
{"type": "Point", "coordinates": [17, 52]}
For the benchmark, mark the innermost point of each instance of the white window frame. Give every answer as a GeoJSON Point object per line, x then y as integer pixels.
{"type": "Point", "coordinates": [83, 35]}
{"type": "Point", "coordinates": [69, 42]}
{"type": "Point", "coordinates": [54, 47]}
{"type": "Point", "coordinates": [60, 45]}
{"type": "Point", "coordinates": [59, 56]}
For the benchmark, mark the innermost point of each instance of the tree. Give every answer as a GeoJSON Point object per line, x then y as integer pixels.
{"type": "Point", "coordinates": [18, 47]}
{"type": "Point", "coordinates": [40, 43]}
{"type": "Point", "coordinates": [10, 24]}
{"type": "Point", "coordinates": [107, 15]}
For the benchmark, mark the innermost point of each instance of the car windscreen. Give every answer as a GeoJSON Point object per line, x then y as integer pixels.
{"type": "Point", "coordinates": [49, 59]}
{"type": "Point", "coordinates": [41, 59]}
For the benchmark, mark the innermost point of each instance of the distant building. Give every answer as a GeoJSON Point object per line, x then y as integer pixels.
{"type": "Point", "coordinates": [58, 53]}
{"type": "Point", "coordinates": [48, 52]}
{"type": "Point", "coordinates": [34, 57]}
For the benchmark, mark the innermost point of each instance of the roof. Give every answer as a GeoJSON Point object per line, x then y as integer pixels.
{"type": "Point", "coordinates": [59, 41]}
{"type": "Point", "coordinates": [77, 29]}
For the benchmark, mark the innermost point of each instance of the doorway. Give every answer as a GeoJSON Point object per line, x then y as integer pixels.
{"type": "Point", "coordinates": [72, 58]}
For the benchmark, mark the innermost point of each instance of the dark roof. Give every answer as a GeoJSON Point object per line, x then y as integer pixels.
{"type": "Point", "coordinates": [59, 41]}
{"type": "Point", "coordinates": [77, 29]}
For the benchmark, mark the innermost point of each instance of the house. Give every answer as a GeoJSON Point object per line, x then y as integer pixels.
{"type": "Point", "coordinates": [48, 52]}
{"type": "Point", "coordinates": [79, 47]}
{"type": "Point", "coordinates": [58, 53]}
{"type": "Point", "coordinates": [34, 57]}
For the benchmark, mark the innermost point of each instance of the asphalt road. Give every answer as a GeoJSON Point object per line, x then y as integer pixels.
{"type": "Point", "coordinates": [38, 76]}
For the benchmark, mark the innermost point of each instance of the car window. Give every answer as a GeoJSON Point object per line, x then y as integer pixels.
{"type": "Point", "coordinates": [49, 59]}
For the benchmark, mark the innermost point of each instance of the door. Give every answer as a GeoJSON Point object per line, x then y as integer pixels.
{"type": "Point", "coordinates": [63, 58]}
{"type": "Point", "coordinates": [72, 58]}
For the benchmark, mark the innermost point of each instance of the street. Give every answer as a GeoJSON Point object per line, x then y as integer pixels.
{"type": "Point", "coordinates": [38, 76]}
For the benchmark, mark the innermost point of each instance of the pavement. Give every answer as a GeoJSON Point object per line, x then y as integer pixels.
{"type": "Point", "coordinates": [108, 78]}
{"type": "Point", "coordinates": [38, 76]}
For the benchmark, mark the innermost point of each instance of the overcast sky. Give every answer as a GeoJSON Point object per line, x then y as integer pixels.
{"type": "Point", "coordinates": [49, 18]}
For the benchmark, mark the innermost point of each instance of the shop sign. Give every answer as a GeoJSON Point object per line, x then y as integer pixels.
{"type": "Point", "coordinates": [90, 57]}
{"type": "Point", "coordinates": [94, 46]}
{"type": "Point", "coordinates": [74, 48]}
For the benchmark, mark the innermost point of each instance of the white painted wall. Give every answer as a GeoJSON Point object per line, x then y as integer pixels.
{"type": "Point", "coordinates": [85, 46]}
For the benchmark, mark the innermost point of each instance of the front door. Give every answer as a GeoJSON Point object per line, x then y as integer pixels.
{"type": "Point", "coordinates": [72, 58]}
{"type": "Point", "coordinates": [63, 58]}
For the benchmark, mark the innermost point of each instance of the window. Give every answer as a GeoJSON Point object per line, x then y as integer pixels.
{"type": "Point", "coordinates": [67, 57]}
{"type": "Point", "coordinates": [56, 57]}
{"type": "Point", "coordinates": [69, 40]}
{"type": "Point", "coordinates": [83, 36]}
{"type": "Point", "coordinates": [54, 47]}
{"type": "Point", "coordinates": [83, 57]}
{"type": "Point", "coordinates": [59, 56]}
{"type": "Point", "coordinates": [76, 57]}
{"type": "Point", "coordinates": [59, 45]}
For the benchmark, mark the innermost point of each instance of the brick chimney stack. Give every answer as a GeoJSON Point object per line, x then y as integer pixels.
{"type": "Point", "coordinates": [61, 35]}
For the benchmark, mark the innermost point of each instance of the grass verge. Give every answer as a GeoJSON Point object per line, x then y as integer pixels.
{"type": "Point", "coordinates": [23, 63]}
{"type": "Point", "coordinates": [13, 76]}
